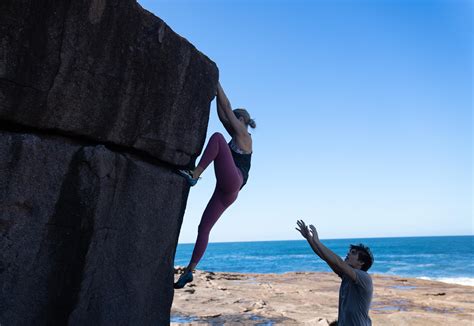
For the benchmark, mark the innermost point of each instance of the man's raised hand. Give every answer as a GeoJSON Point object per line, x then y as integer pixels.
{"type": "Point", "coordinates": [303, 229]}
{"type": "Point", "coordinates": [314, 232]}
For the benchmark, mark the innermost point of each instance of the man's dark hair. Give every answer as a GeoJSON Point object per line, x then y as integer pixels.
{"type": "Point", "coordinates": [364, 255]}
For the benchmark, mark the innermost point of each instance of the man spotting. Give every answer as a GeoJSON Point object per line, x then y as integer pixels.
{"type": "Point", "coordinates": [355, 293]}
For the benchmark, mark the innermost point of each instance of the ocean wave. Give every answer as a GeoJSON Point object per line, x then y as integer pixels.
{"type": "Point", "coordinates": [452, 280]}
{"type": "Point", "coordinates": [404, 267]}
{"type": "Point", "coordinates": [240, 257]}
{"type": "Point", "coordinates": [424, 265]}
{"type": "Point", "coordinates": [397, 270]}
{"type": "Point", "coordinates": [398, 256]}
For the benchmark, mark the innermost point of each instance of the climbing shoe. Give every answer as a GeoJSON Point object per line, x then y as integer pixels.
{"type": "Point", "coordinates": [183, 279]}
{"type": "Point", "coordinates": [188, 176]}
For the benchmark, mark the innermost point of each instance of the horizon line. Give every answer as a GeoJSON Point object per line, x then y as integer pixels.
{"type": "Point", "coordinates": [324, 239]}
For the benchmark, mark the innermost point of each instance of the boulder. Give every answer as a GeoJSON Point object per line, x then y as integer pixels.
{"type": "Point", "coordinates": [105, 70]}
{"type": "Point", "coordinates": [100, 103]}
{"type": "Point", "coordinates": [88, 235]}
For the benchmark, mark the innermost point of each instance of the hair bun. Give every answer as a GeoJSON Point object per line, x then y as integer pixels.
{"type": "Point", "coordinates": [252, 123]}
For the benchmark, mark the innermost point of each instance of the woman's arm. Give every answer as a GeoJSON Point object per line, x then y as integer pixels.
{"type": "Point", "coordinates": [223, 101]}
{"type": "Point", "coordinates": [226, 115]}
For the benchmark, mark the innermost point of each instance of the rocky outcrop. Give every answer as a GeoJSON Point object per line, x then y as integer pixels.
{"type": "Point", "coordinates": [106, 70]}
{"type": "Point", "coordinates": [88, 235]}
{"type": "Point", "coordinates": [100, 101]}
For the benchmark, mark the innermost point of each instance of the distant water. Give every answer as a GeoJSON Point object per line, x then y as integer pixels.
{"type": "Point", "coordinates": [446, 259]}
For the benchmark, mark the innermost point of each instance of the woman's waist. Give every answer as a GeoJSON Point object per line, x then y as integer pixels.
{"type": "Point", "coordinates": [237, 149]}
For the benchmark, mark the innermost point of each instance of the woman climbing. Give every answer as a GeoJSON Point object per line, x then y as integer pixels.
{"type": "Point", "coordinates": [231, 166]}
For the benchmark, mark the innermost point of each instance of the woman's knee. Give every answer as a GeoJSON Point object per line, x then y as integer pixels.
{"type": "Point", "coordinates": [217, 136]}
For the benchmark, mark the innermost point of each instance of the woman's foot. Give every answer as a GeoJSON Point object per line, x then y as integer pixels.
{"type": "Point", "coordinates": [188, 175]}
{"type": "Point", "coordinates": [186, 277]}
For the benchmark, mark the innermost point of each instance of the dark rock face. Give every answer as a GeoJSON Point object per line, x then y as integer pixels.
{"type": "Point", "coordinates": [99, 102]}
{"type": "Point", "coordinates": [106, 70]}
{"type": "Point", "coordinates": [88, 234]}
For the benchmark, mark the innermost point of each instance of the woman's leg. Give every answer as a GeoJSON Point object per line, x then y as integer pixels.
{"type": "Point", "coordinates": [218, 203]}
{"type": "Point", "coordinates": [229, 178]}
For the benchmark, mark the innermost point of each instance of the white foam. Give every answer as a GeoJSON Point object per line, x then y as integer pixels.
{"type": "Point", "coordinates": [452, 280]}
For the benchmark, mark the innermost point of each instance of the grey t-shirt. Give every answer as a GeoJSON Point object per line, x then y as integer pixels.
{"type": "Point", "coordinates": [354, 300]}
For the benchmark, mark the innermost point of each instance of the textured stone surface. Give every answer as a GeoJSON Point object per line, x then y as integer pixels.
{"type": "Point", "coordinates": [99, 102]}
{"type": "Point", "coordinates": [105, 70]}
{"type": "Point", "coordinates": [87, 236]}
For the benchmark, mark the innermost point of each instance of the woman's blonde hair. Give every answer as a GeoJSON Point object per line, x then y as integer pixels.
{"type": "Point", "coordinates": [247, 119]}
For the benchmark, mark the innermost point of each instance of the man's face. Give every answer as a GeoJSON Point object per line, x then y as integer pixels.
{"type": "Point", "coordinates": [352, 258]}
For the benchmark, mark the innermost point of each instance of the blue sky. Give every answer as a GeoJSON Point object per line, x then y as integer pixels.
{"type": "Point", "coordinates": [363, 110]}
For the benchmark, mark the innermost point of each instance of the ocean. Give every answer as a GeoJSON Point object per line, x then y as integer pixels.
{"type": "Point", "coordinates": [448, 259]}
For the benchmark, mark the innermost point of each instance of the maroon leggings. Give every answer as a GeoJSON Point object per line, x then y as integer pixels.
{"type": "Point", "coordinates": [229, 180]}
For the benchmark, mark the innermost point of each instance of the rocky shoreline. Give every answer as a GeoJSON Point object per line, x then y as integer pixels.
{"type": "Point", "coordinates": [311, 298]}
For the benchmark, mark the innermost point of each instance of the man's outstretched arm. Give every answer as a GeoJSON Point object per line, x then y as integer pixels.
{"type": "Point", "coordinates": [303, 229]}
{"type": "Point", "coordinates": [339, 266]}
